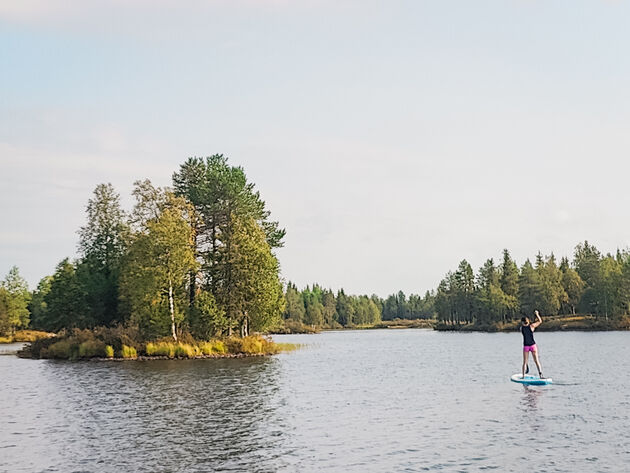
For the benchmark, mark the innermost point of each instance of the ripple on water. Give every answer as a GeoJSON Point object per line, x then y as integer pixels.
{"type": "Point", "coordinates": [350, 401]}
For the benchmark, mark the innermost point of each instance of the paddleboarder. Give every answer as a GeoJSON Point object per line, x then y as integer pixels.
{"type": "Point", "coordinates": [529, 344]}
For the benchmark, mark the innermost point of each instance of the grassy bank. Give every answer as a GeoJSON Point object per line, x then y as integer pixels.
{"type": "Point", "coordinates": [550, 323]}
{"type": "Point", "coordinates": [25, 336]}
{"type": "Point", "coordinates": [117, 344]}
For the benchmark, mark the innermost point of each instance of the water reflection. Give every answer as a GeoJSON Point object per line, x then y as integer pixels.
{"type": "Point", "coordinates": [352, 402]}
{"type": "Point", "coordinates": [531, 396]}
{"type": "Point", "coordinates": [204, 414]}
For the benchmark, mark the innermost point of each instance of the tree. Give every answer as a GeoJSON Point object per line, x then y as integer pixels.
{"type": "Point", "coordinates": [329, 308]}
{"type": "Point", "coordinates": [206, 318]}
{"type": "Point", "coordinates": [529, 289]}
{"type": "Point", "coordinates": [17, 301]}
{"type": "Point", "coordinates": [218, 193]}
{"type": "Point", "coordinates": [66, 302]}
{"type": "Point", "coordinates": [250, 290]}
{"type": "Point", "coordinates": [572, 283]}
{"type": "Point", "coordinates": [102, 244]}
{"type": "Point", "coordinates": [5, 326]}
{"type": "Point", "coordinates": [38, 306]}
{"type": "Point", "coordinates": [552, 294]}
{"type": "Point", "coordinates": [345, 310]}
{"type": "Point", "coordinates": [294, 304]}
{"type": "Point", "coordinates": [155, 273]}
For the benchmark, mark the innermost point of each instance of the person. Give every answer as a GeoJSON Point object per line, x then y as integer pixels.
{"type": "Point", "coordinates": [529, 344]}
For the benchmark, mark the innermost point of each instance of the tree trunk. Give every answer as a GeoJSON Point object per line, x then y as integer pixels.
{"type": "Point", "coordinates": [245, 326]}
{"type": "Point", "coordinates": [171, 304]}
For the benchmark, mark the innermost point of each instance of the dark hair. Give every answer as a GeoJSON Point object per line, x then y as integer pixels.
{"type": "Point", "coordinates": [525, 320]}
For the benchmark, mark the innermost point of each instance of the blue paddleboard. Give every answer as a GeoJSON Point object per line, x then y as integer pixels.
{"type": "Point", "coordinates": [529, 379]}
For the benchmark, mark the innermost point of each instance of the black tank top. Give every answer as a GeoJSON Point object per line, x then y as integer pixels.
{"type": "Point", "coordinates": [528, 336]}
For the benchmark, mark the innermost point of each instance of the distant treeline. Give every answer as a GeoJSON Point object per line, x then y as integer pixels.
{"type": "Point", "coordinates": [591, 284]}
{"type": "Point", "coordinates": [196, 259]}
{"type": "Point", "coordinates": [322, 308]}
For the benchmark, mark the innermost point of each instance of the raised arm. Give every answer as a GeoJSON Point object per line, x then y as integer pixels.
{"type": "Point", "coordinates": [538, 320]}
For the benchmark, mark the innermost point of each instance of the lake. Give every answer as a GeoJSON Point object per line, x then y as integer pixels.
{"type": "Point", "coordinates": [349, 401]}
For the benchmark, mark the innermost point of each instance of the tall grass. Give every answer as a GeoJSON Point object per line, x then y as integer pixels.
{"type": "Point", "coordinates": [110, 343]}
{"type": "Point", "coordinates": [109, 351]}
{"type": "Point", "coordinates": [128, 352]}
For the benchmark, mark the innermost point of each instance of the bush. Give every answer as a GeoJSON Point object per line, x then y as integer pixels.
{"type": "Point", "coordinates": [234, 345]}
{"type": "Point", "coordinates": [219, 347]}
{"type": "Point", "coordinates": [251, 345]}
{"type": "Point", "coordinates": [128, 352]}
{"type": "Point", "coordinates": [161, 349]}
{"type": "Point", "coordinates": [109, 351]}
{"type": "Point", "coordinates": [91, 349]}
{"type": "Point", "coordinates": [184, 350]}
{"type": "Point", "coordinates": [62, 350]}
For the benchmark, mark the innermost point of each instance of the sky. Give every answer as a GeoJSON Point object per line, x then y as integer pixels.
{"type": "Point", "coordinates": [391, 139]}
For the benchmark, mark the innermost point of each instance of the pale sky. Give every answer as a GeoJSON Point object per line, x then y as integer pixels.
{"type": "Point", "coordinates": [390, 138]}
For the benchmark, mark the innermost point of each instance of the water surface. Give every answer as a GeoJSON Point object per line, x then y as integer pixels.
{"type": "Point", "coordinates": [385, 400]}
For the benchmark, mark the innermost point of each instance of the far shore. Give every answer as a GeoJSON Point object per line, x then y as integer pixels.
{"type": "Point", "coordinates": [558, 323]}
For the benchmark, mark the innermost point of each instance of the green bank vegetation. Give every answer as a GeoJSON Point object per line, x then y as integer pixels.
{"type": "Point", "coordinates": [197, 260]}
{"type": "Point", "coordinates": [120, 343]}
{"type": "Point", "coordinates": [592, 284]}
{"type": "Point", "coordinates": [191, 263]}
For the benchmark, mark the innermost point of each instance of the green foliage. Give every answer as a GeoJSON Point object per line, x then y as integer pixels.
{"type": "Point", "coordinates": [184, 350]}
{"type": "Point", "coordinates": [155, 271]}
{"type": "Point", "coordinates": [251, 345]}
{"type": "Point", "coordinates": [128, 352]}
{"type": "Point", "coordinates": [596, 284]}
{"type": "Point", "coordinates": [234, 238]}
{"type": "Point", "coordinates": [14, 300]}
{"type": "Point", "coordinates": [207, 320]}
{"type": "Point", "coordinates": [161, 349]}
{"type": "Point", "coordinates": [252, 292]}
{"type": "Point", "coordinates": [102, 244]}
{"type": "Point", "coordinates": [92, 348]}
{"type": "Point", "coordinates": [63, 350]}
{"type": "Point", "coordinates": [66, 301]}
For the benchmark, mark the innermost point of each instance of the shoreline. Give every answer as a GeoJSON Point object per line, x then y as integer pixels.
{"type": "Point", "coordinates": [582, 323]}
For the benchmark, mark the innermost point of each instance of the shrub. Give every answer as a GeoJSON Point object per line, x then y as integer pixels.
{"type": "Point", "coordinates": [234, 345]}
{"type": "Point", "coordinates": [212, 348]}
{"type": "Point", "coordinates": [109, 351]}
{"type": "Point", "coordinates": [252, 345]}
{"type": "Point", "coordinates": [91, 349]}
{"type": "Point", "coordinates": [184, 350]}
{"type": "Point", "coordinates": [161, 349]}
{"type": "Point", "coordinates": [219, 347]}
{"type": "Point", "coordinates": [63, 350]}
{"type": "Point", "coordinates": [128, 352]}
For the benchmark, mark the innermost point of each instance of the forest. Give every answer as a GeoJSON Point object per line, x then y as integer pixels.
{"type": "Point", "coordinates": [197, 260]}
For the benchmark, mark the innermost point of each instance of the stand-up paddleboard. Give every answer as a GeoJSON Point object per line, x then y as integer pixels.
{"type": "Point", "coordinates": [529, 379]}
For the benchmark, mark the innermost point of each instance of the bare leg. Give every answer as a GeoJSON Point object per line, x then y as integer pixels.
{"type": "Point", "coordinates": [525, 359]}
{"type": "Point", "coordinates": [535, 355]}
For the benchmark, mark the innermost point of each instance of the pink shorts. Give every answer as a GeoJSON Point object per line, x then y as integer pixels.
{"type": "Point", "coordinates": [530, 348]}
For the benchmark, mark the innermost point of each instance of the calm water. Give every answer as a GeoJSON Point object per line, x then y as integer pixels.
{"type": "Point", "coordinates": [387, 400]}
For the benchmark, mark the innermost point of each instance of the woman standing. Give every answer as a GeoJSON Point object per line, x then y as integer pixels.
{"type": "Point", "coordinates": [529, 344]}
